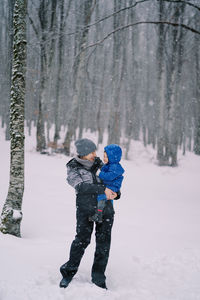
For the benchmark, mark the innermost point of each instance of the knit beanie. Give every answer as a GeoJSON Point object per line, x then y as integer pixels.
{"type": "Point", "coordinates": [84, 147]}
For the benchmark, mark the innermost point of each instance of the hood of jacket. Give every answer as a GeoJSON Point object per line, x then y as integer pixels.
{"type": "Point", "coordinates": [114, 153]}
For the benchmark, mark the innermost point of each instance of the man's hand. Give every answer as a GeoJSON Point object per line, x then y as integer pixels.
{"type": "Point", "coordinates": [110, 195]}
{"type": "Point", "coordinates": [98, 164]}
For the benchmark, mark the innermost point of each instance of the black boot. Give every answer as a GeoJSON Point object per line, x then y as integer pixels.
{"type": "Point", "coordinates": [65, 282]}
{"type": "Point", "coordinates": [67, 276]}
{"type": "Point", "coordinates": [100, 284]}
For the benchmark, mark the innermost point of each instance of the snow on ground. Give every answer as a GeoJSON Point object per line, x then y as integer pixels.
{"type": "Point", "coordinates": [155, 253]}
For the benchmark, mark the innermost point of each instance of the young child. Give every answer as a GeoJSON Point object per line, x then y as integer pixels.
{"type": "Point", "coordinates": [111, 175]}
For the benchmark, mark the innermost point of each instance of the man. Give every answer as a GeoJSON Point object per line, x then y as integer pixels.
{"type": "Point", "coordinates": [81, 174]}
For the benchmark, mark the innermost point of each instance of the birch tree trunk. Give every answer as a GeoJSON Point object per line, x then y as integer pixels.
{"type": "Point", "coordinates": [11, 214]}
{"type": "Point", "coordinates": [10, 43]}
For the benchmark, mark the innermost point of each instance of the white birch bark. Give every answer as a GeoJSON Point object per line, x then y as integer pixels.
{"type": "Point", "coordinates": [12, 214]}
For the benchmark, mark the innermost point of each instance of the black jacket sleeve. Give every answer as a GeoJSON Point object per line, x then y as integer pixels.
{"type": "Point", "coordinates": [118, 195]}
{"type": "Point", "coordinates": [90, 188]}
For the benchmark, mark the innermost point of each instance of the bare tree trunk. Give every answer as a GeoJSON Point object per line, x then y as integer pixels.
{"type": "Point", "coordinates": [161, 89]}
{"type": "Point", "coordinates": [100, 125]}
{"type": "Point", "coordinates": [79, 70]}
{"type": "Point", "coordinates": [173, 119]}
{"type": "Point", "coordinates": [60, 68]}
{"type": "Point", "coordinates": [40, 134]}
{"type": "Point", "coordinates": [197, 99]}
{"type": "Point", "coordinates": [10, 45]}
{"type": "Point", "coordinates": [11, 214]}
{"type": "Point", "coordinates": [114, 126]}
{"type": "Point", "coordinates": [44, 33]}
{"type": "Point", "coordinates": [131, 88]}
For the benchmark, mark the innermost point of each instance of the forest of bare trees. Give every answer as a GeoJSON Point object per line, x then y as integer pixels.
{"type": "Point", "coordinates": [130, 69]}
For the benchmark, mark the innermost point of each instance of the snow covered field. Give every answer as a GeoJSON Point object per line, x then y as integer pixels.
{"type": "Point", "coordinates": [155, 252]}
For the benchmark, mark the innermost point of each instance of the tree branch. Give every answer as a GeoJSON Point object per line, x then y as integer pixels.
{"type": "Point", "coordinates": [138, 23]}
{"type": "Point", "coordinates": [33, 25]}
{"type": "Point", "coordinates": [129, 7]}
{"type": "Point", "coordinates": [183, 2]}
{"type": "Point", "coordinates": [139, 2]}
{"type": "Point", "coordinates": [111, 15]}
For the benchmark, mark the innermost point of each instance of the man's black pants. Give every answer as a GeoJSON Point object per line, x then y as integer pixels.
{"type": "Point", "coordinates": [82, 239]}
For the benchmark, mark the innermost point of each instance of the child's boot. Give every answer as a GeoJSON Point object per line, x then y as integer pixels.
{"type": "Point", "coordinates": [97, 217]}
{"type": "Point", "coordinates": [100, 216]}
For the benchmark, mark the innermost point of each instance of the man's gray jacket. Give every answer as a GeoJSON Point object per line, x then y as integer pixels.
{"type": "Point", "coordinates": [86, 184]}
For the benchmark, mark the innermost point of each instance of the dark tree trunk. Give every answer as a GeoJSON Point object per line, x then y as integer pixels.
{"type": "Point", "coordinates": [79, 72]}
{"type": "Point", "coordinates": [197, 100]}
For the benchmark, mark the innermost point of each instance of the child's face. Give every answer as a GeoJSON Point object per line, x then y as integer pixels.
{"type": "Point", "coordinates": [105, 158]}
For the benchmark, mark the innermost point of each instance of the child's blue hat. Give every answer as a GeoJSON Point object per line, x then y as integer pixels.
{"type": "Point", "coordinates": [114, 153]}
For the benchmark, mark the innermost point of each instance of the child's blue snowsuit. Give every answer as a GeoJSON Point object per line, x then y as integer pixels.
{"type": "Point", "coordinates": [111, 175]}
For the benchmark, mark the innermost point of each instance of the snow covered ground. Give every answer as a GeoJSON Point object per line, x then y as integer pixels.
{"type": "Point", "coordinates": [155, 253]}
